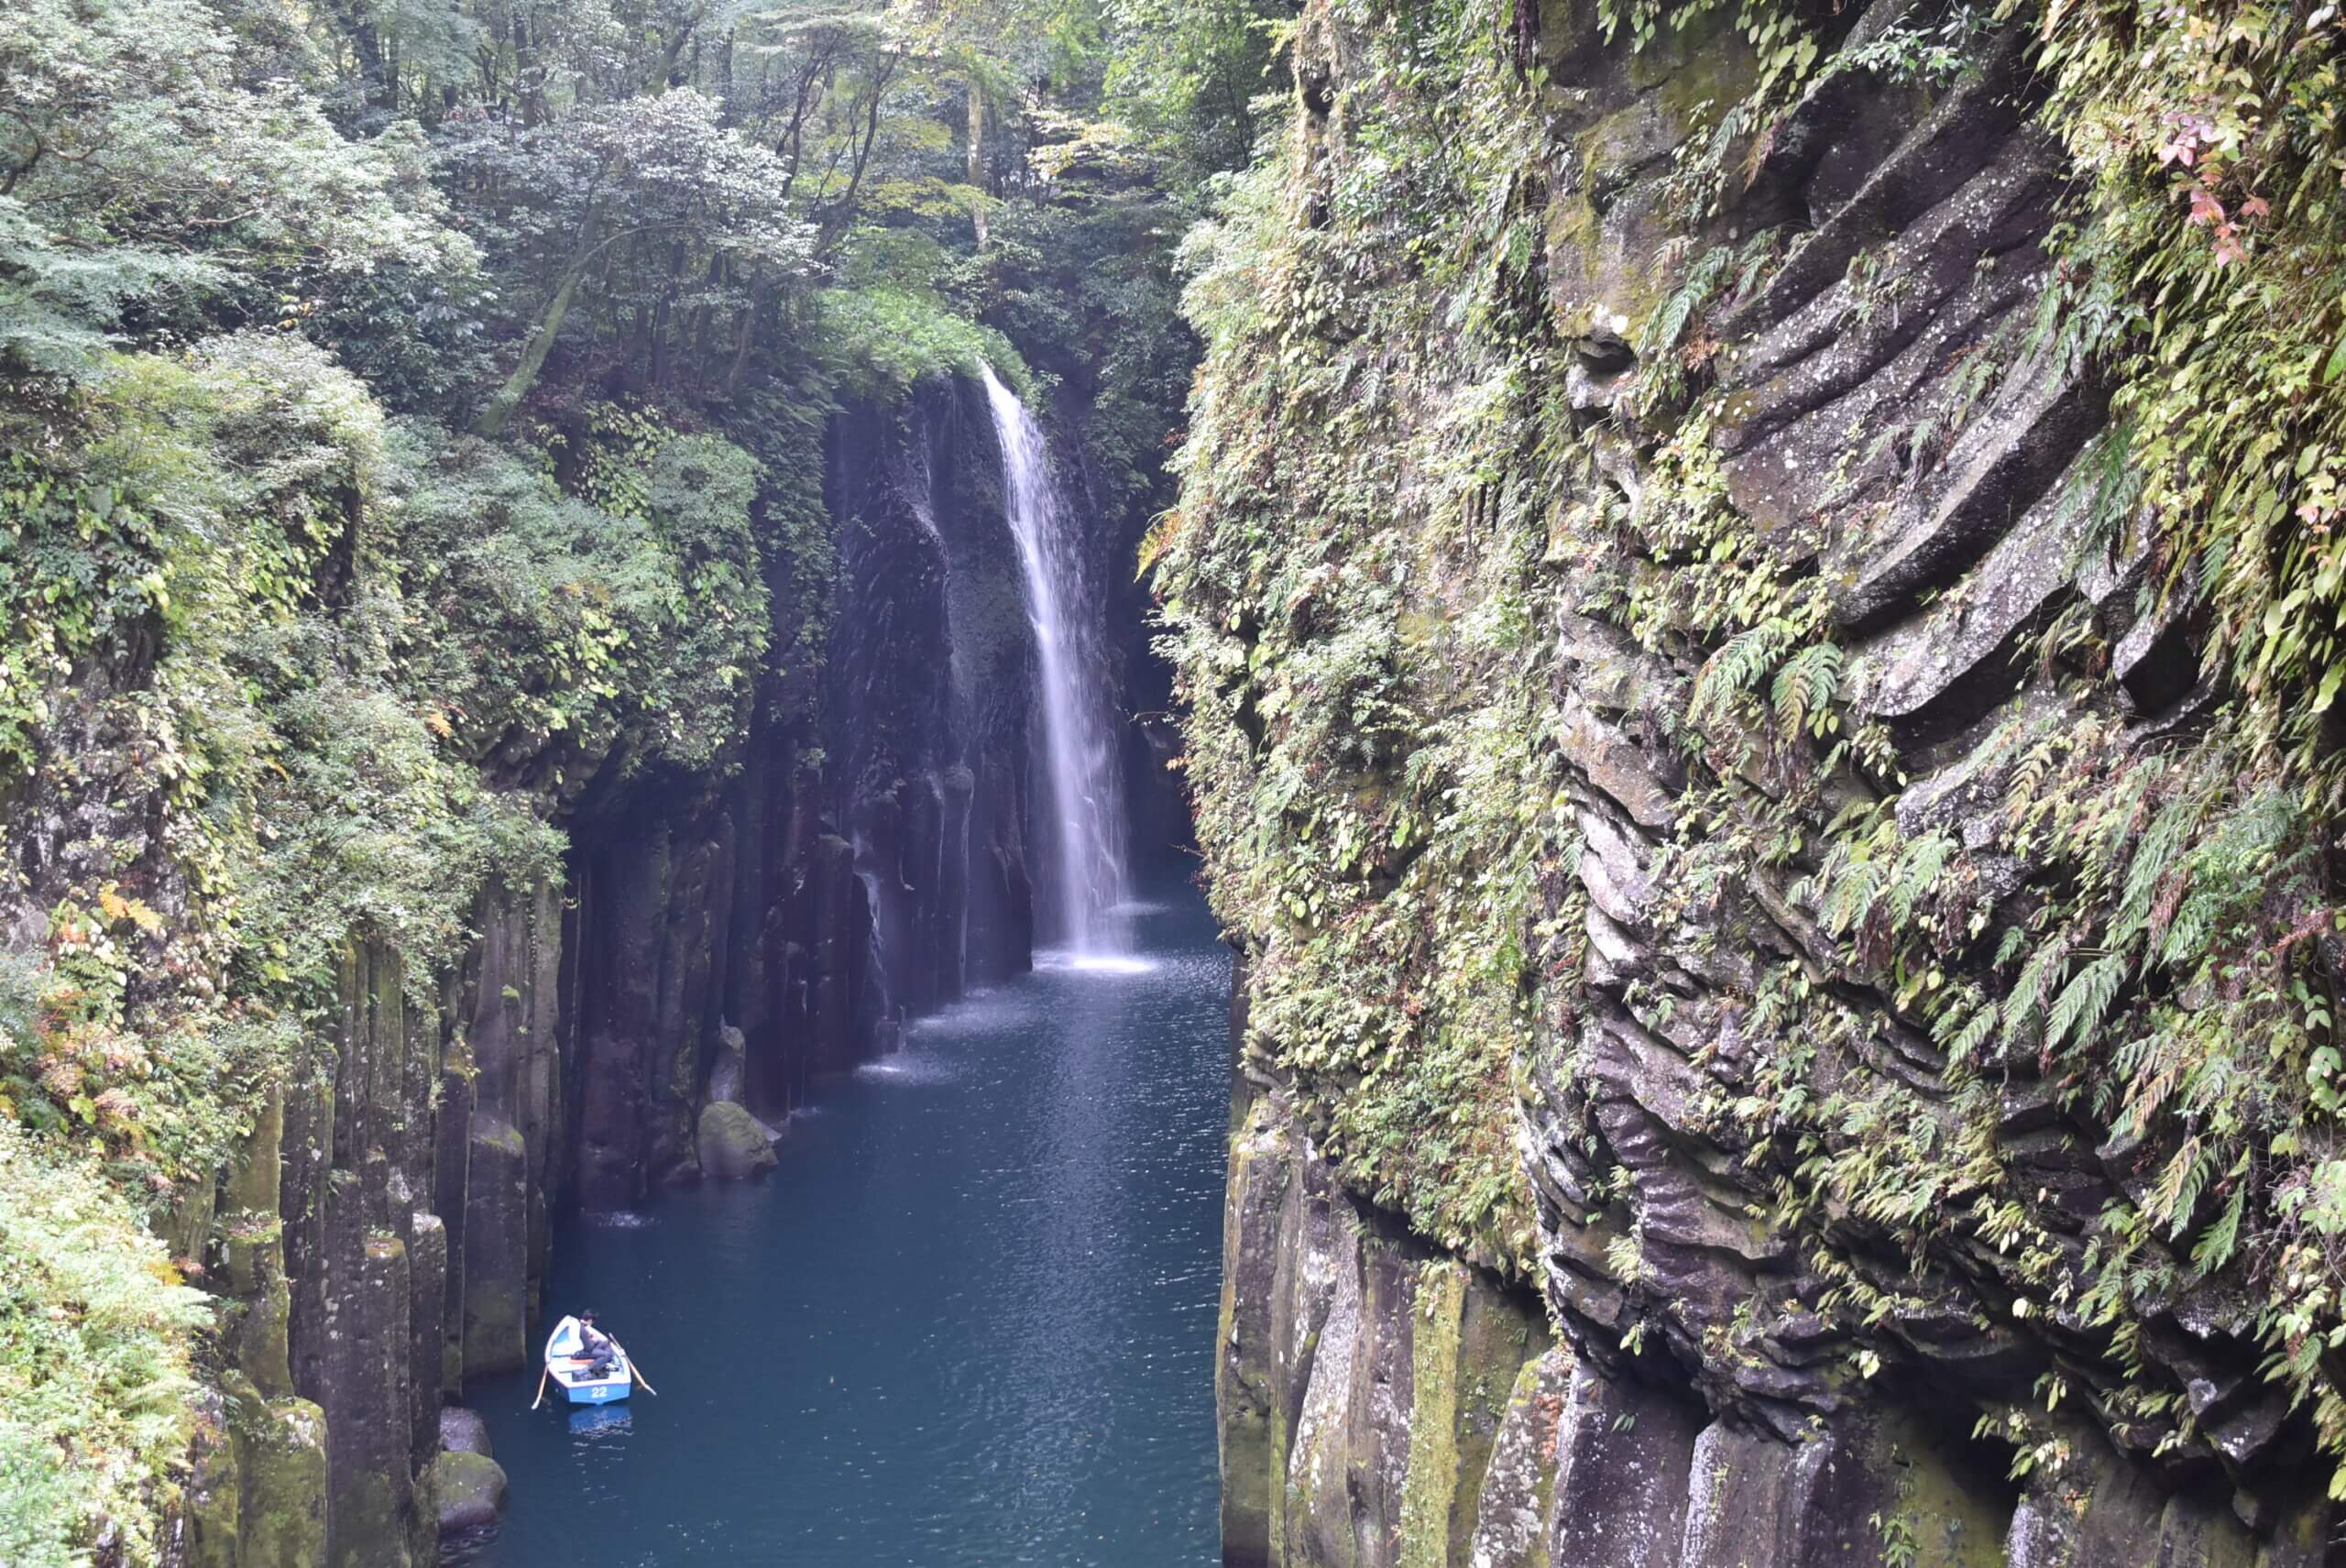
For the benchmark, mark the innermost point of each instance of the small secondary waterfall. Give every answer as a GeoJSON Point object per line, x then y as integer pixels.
{"type": "Point", "coordinates": [1087, 814]}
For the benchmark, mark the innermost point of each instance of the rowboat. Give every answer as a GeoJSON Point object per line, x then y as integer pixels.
{"type": "Point", "coordinates": [574, 1371]}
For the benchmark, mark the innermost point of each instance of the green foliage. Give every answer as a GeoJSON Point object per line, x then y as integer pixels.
{"type": "Point", "coordinates": [94, 1368]}
{"type": "Point", "coordinates": [890, 338]}
{"type": "Point", "coordinates": [541, 625]}
{"type": "Point", "coordinates": [1198, 76]}
{"type": "Point", "coordinates": [1353, 638]}
{"type": "Point", "coordinates": [137, 166]}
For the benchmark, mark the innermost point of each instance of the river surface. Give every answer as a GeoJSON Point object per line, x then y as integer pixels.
{"type": "Point", "coordinates": [969, 1321]}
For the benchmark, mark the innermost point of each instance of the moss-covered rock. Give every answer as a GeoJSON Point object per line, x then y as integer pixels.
{"type": "Point", "coordinates": [212, 1499]}
{"type": "Point", "coordinates": [1519, 1482]}
{"type": "Point", "coordinates": [282, 1448]}
{"type": "Point", "coordinates": [497, 1249]}
{"type": "Point", "coordinates": [733, 1144]}
{"type": "Point", "coordinates": [1365, 1383]}
{"type": "Point", "coordinates": [468, 1490]}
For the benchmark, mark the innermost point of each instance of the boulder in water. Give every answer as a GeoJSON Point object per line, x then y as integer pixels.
{"type": "Point", "coordinates": [462, 1432]}
{"type": "Point", "coordinates": [469, 1489]}
{"type": "Point", "coordinates": [734, 1144]}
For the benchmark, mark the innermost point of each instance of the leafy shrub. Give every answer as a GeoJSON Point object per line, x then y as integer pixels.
{"type": "Point", "coordinates": [889, 338]}
{"type": "Point", "coordinates": [93, 1370]}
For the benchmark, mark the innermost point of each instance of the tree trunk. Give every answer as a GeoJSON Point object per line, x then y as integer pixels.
{"type": "Point", "coordinates": [499, 411]}
{"type": "Point", "coordinates": [746, 334]}
{"type": "Point", "coordinates": [977, 156]}
{"type": "Point", "coordinates": [528, 74]}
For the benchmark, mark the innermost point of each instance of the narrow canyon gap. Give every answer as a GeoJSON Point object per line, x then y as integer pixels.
{"type": "Point", "coordinates": [966, 1315]}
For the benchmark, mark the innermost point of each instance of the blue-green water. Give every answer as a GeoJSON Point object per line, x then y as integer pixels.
{"type": "Point", "coordinates": [969, 1321]}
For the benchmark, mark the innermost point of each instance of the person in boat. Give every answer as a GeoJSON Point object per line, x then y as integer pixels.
{"type": "Point", "coordinates": [595, 1345]}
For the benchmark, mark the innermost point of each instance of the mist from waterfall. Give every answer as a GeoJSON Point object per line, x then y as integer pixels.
{"type": "Point", "coordinates": [1086, 810]}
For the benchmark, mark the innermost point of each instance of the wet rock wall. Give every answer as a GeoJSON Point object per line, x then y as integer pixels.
{"type": "Point", "coordinates": [865, 862]}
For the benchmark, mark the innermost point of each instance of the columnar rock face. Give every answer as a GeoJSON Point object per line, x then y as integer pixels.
{"type": "Point", "coordinates": [865, 863]}
{"type": "Point", "coordinates": [1939, 201]}
{"type": "Point", "coordinates": [1382, 1405]}
{"type": "Point", "coordinates": [928, 700]}
{"type": "Point", "coordinates": [722, 941]}
{"type": "Point", "coordinates": [1860, 1337]}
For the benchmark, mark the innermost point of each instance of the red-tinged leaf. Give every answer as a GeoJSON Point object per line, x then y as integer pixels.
{"type": "Point", "coordinates": [2255, 207]}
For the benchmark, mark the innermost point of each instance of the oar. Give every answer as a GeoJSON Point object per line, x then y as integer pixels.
{"type": "Point", "coordinates": [542, 1386]}
{"type": "Point", "coordinates": [640, 1378]}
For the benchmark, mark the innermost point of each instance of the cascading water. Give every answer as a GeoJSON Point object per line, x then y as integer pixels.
{"type": "Point", "coordinates": [1087, 814]}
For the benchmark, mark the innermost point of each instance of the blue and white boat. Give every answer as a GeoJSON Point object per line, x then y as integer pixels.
{"type": "Point", "coordinates": [568, 1365]}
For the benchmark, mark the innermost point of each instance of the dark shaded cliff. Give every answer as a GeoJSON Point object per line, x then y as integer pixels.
{"type": "Point", "coordinates": [865, 861]}
{"type": "Point", "coordinates": [1753, 805]}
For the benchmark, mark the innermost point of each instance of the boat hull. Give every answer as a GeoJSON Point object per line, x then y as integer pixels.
{"type": "Point", "coordinates": [607, 1391]}
{"type": "Point", "coordinates": [571, 1373]}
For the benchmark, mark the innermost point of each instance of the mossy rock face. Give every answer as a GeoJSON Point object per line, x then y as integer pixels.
{"type": "Point", "coordinates": [1519, 1481]}
{"type": "Point", "coordinates": [283, 1449]}
{"type": "Point", "coordinates": [370, 1522]}
{"type": "Point", "coordinates": [468, 1489]}
{"type": "Point", "coordinates": [1256, 1240]}
{"type": "Point", "coordinates": [497, 1249]}
{"type": "Point", "coordinates": [212, 1500]}
{"type": "Point", "coordinates": [733, 1146]}
{"type": "Point", "coordinates": [1612, 214]}
{"type": "Point", "coordinates": [256, 1323]}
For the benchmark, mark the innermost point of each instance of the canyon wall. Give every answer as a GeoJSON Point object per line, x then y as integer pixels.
{"type": "Point", "coordinates": [1766, 722]}
{"type": "Point", "coordinates": [722, 940]}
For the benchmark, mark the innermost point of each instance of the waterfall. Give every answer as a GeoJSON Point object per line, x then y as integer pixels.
{"type": "Point", "coordinates": [1086, 812]}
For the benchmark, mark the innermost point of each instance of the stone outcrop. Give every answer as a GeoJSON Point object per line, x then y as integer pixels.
{"type": "Point", "coordinates": [1738, 1389]}
{"type": "Point", "coordinates": [732, 1144]}
{"type": "Point", "coordinates": [469, 1490]}
{"type": "Point", "coordinates": [1381, 1404]}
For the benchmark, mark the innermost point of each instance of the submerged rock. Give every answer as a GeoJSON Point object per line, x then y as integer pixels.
{"type": "Point", "coordinates": [469, 1489]}
{"type": "Point", "coordinates": [734, 1144]}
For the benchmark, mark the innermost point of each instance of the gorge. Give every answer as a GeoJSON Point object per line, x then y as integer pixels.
{"type": "Point", "coordinates": [967, 1318]}
{"type": "Point", "coordinates": [628, 630]}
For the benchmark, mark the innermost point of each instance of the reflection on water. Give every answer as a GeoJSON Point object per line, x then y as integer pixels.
{"type": "Point", "coordinates": [598, 1423]}
{"type": "Point", "coordinates": [1097, 963]}
{"type": "Point", "coordinates": [969, 1321]}
{"type": "Point", "coordinates": [907, 1067]}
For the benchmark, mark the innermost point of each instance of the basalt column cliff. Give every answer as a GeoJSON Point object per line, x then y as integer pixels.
{"type": "Point", "coordinates": [1749, 589]}
{"type": "Point", "coordinates": [737, 913]}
